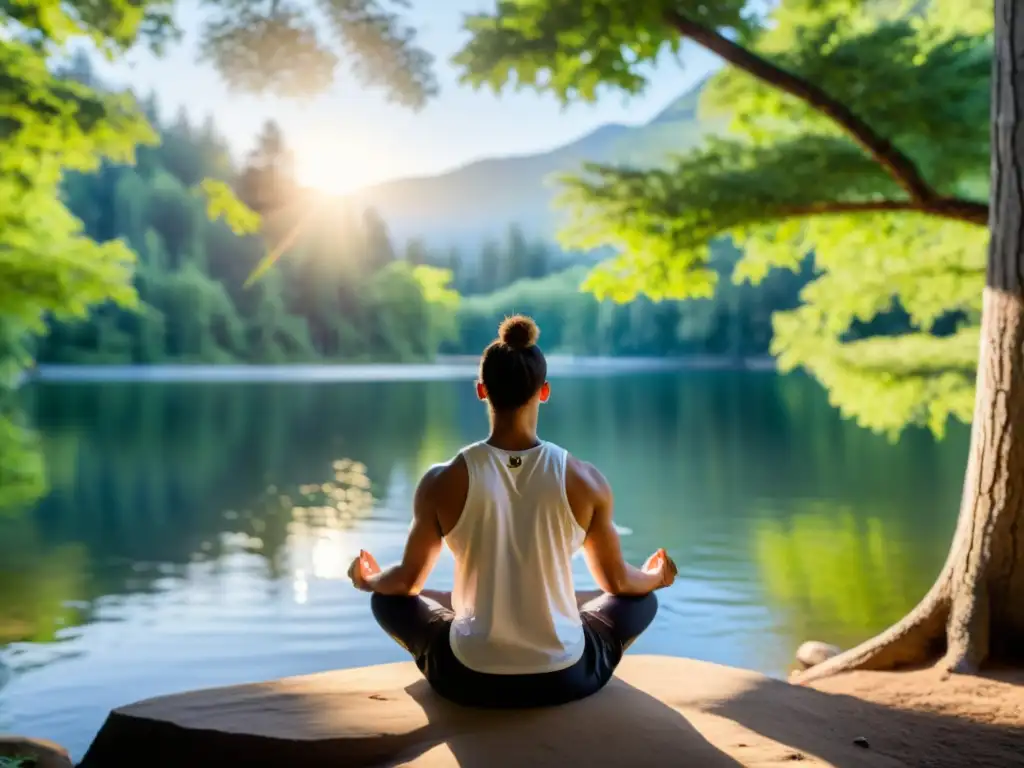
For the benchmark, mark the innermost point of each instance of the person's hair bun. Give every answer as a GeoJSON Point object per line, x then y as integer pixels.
{"type": "Point", "coordinates": [518, 332]}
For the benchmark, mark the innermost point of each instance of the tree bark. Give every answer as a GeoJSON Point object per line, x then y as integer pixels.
{"type": "Point", "coordinates": [975, 611]}
{"type": "Point", "coordinates": [951, 208]}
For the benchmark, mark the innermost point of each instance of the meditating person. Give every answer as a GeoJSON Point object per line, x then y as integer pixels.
{"type": "Point", "coordinates": [513, 510]}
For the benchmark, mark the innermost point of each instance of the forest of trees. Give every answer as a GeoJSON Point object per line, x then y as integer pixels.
{"type": "Point", "coordinates": [342, 293]}
{"type": "Point", "coordinates": [343, 290]}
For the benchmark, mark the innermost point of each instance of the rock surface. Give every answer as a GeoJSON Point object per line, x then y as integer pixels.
{"type": "Point", "coordinates": [658, 712]}
{"type": "Point", "coordinates": [39, 753]}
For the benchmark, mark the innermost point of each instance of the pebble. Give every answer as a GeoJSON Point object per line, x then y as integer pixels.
{"type": "Point", "coordinates": [861, 742]}
{"type": "Point", "coordinates": [812, 653]}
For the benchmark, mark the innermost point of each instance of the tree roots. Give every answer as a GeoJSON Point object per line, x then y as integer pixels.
{"type": "Point", "coordinates": [914, 641]}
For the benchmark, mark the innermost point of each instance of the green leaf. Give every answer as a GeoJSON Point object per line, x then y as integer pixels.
{"type": "Point", "coordinates": [222, 203]}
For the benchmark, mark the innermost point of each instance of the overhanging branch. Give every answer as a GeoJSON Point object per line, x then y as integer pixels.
{"type": "Point", "coordinates": [951, 208]}
{"type": "Point", "coordinates": [895, 162]}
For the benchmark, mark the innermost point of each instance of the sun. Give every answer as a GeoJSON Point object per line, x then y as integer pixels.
{"type": "Point", "coordinates": [338, 168]}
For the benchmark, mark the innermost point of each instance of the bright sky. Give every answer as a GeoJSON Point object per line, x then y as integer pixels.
{"type": "Point", "coordinates": [351, 137]}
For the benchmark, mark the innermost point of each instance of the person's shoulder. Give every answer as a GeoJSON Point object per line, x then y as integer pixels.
{"type": "Point", "coordinates": [583, 477]}
{"type": "Point", "coordinates": [438, 473]}
{"type": "Point", "coordinates": [446, 479]}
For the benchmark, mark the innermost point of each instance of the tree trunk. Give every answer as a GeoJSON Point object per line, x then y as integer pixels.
{"type": "Point", "coordinates": [975, 610]}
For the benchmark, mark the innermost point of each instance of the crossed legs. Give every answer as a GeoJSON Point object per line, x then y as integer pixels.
{"type": "Point", "coordinates": [414, 621]}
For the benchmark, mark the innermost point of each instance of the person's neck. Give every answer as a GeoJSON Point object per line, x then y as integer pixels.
{"type": "Point", "coordinates": [513, 432]}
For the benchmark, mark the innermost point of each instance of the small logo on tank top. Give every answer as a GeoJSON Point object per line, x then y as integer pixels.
{"type": "Point", "coordinates": [515, 462]}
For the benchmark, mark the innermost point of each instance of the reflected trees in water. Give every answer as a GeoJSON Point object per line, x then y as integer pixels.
{"type": "Point", "coordinates": [148, 479]}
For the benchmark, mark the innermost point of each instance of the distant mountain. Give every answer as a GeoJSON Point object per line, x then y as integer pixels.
{"type": "Point", "coordinates": [480, 200]}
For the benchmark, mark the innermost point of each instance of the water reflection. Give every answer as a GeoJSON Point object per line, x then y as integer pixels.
{"type": "Point", "coordinates": [199, 534]}
{"type": "Point", "coordinates": [840, 575]}
{"type": "Point", "coordinates": [22, 472]}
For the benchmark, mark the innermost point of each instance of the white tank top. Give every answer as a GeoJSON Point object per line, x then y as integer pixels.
{"type": "Point", "coordinates": [514, 601]}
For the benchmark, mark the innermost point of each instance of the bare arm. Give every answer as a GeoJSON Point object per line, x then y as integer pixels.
{"type": "Point", "coordinates": [421, 548]}
{"type": "Point", "coordinates": [603, 550]}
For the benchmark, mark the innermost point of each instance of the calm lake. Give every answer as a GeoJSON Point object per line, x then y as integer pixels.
{"type": "Point", "coordinates": [198, 534]}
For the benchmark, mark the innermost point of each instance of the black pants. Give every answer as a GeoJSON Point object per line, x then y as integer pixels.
{"type": "Point", "coordinates": [421, 626]}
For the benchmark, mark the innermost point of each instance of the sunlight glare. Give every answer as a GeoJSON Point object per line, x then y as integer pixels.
{"type": "Point", "coordinates": [339, 166]}
{"type": "Point", "coordinates": [331, 555]}
{"type": "Point", "coordinates": [300, 587]}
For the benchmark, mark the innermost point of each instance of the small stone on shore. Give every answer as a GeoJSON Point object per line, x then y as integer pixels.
{"type": "Point", "coordinates": [812, 653]}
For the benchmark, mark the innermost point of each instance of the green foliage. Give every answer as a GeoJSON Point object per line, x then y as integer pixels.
{"type": "Point", "coordinates": [340, 294]}
{"type": "Point", "coordinates": [221, 203]}
{"type": "Point", "coordinates": [383, 48]}
{"type": "Point", "coordinates": [662, 221]}
{"type": "Point", "coordinates": [788, 182]}
{"type": "Point", "coordinates": [286, 49]}
{"type": "Point", "coordinates": [49, 124]}
{"type": "Point", "coordinates": [401, 317]}
{"type": "Point", "coordinates": [442, 302]}
{"type": "Point", "coordinates": [940, 117]}
{"type": "Point", "coordinates": [574, 48]}
{"type": "Point", "coordinates": [54, 121]}
{"type": "Point", "coordinates": [735, 324]}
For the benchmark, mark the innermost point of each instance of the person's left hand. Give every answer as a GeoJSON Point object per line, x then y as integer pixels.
{"type": "Point", "coordinates": [661, 564]}
{"type": "Point", "coordinates": [362, 569]}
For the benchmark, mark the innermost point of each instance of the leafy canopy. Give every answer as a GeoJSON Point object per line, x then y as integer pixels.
{"type": "Point", "coordinates": [50, 124]}
{"type": "Point", "coordinates": [285, 47]}
{"type": "Point", "coordinates": [574, 49]}
{"type": "Point", "coordinates": [888, 201]}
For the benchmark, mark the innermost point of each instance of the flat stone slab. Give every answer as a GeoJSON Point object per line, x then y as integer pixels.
{"type": "Point", "coordinates": [659, 711]}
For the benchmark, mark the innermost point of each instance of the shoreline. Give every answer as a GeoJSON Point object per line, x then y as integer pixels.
{"type": "Point", "coordinates": [442, 369]}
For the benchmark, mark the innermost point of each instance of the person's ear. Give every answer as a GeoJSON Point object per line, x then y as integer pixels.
{"type": "Point", "coordinates": [545, 392]}
{"type": "Point", "coordinates": [481, 391]}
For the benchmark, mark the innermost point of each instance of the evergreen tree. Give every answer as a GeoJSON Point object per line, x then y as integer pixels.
{"type": "Point", "coordinates": [416, 253]}
{"type": "Point", "coordinates": [453, 263]}
{"type": "Point", "coordinates": [538, 260]}
{"type": "Point", "coordinates": [267, 182]}
{"type": "Point", "coordinates": [489, 269]}
{"type": "Point", "coordinates": [377, 247]}
{"type": "Point", "coordinates": [516, 261]}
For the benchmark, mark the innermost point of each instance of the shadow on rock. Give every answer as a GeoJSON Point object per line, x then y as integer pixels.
{"type": "Point", "coordinates": [619, 726]}
{"type": "Point", "coordinates": [826, 724]}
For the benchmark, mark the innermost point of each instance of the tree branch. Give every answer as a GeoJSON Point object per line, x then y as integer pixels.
{"type": "Point", "coordinates": [897, 164]}
{"type": "Point", "coordinates": [951, 208]}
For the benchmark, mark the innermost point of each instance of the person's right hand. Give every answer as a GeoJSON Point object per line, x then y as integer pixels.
{"type": "Point", "coordinates": [363, 568]}
{"type": "Point", "coordinates": [662, 565]}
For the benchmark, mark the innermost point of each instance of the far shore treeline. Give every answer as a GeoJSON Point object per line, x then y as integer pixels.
{"type": "Point", "coordinates": [344, 290]}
